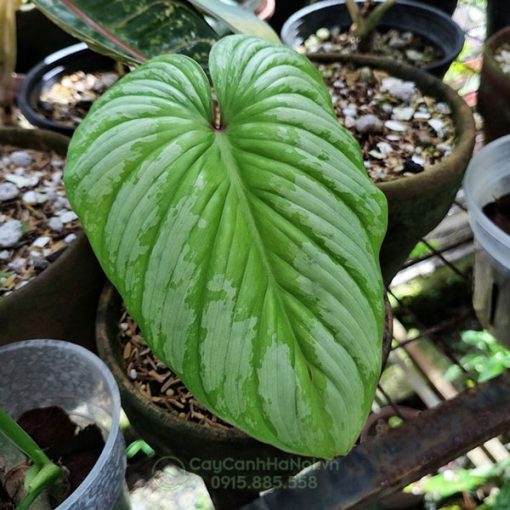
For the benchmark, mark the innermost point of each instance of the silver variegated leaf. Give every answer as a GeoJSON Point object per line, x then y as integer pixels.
{"type": "Point", "coordinates": [244, 240]}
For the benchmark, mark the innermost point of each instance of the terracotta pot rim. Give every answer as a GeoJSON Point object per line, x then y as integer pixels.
{"type": "Point", "coordinates": [108, 300]}
{"type": "Point", "coordinates": [490, 46]}
{"type": "Point", "coordinates": [462, 118]}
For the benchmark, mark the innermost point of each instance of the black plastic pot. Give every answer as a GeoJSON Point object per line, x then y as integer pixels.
{"type": "Point", "coordinates": [447, 6]}
{"type": "Point", "coordinates": [286, 8]}
{"type": "Point", "coordinates": [429, 23]}
{"type": "Point", "coordinates": [41, 77]}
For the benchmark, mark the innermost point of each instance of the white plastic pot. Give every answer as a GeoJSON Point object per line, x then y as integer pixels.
{"type": "Point", "coordinates": [39, 373]}
{"type": "Point", "coordinates": [488, 178]}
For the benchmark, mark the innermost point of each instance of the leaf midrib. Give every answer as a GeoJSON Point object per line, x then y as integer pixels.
{"type": "Point", "coordinates": [234, 175]}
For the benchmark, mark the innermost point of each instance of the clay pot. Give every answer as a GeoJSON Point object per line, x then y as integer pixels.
{"type": "Point", "coordinates": [62, 300]}
{"type": "Point", "coordinates": [494, 90]}
{"type": "Point", "coordinates": [183, 442]}
{"type": "Point", "coordinates": [419, 202]}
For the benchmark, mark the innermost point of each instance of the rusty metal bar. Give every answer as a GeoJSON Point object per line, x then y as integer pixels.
{"type": "Point", "coordinates": [403, 455]}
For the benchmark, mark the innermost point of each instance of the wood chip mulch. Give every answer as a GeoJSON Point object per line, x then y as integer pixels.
{"type": "Point", "coordinates": [158, 383]}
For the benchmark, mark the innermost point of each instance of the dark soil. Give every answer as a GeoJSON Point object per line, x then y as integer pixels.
{"type": "Point", "coordinates": [499, 212]}
{"type": "Point", "coordinates": [64, 442]}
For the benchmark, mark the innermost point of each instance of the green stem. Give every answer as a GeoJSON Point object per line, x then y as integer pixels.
{"type": "Point", "coordinates": [374, 17]}
{"type": "Point", "coordinates": [46, 472]}
{"type": "Point", "coordinates": [47, 476]}
{"type": "Point", "coordinates": [22, 440]}
{"type": "Point", "coordinates": [358, 22]}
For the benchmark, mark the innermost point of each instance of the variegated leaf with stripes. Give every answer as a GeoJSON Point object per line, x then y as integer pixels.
{"type": "Point", "coordinates": [244, 239]}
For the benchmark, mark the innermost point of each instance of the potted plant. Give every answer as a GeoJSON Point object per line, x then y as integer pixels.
{"type": "Point", "coordinates": [486, 188]}
{"type": "Point", "coordinates": [41, 376]}
{"type": "Point", "coordinates": [57, 92]}
{"type": "Point", "coordinates": [244, 147]}
{"type": "Point", "coordinates": [44, 289]}
{"type": "Point", "coordinates": [321, 28]}
{"type": "Point", "coordinates": [125, 34]}
{"type": "Point", "coordinates": [494, 91]}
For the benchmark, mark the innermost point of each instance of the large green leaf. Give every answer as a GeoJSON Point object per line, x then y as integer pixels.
{"type": "Point", "coordinates": [134, 30]}
{"type": "Point", "coordinates": [246, 247]}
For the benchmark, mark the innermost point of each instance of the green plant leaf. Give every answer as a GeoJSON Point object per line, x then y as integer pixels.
{"type": "Point", "coordinates": [241, 21]}
{"type": "Point", "coordinates": [134, 30]}
{"type": "Point", "coordinates": [246, 248]}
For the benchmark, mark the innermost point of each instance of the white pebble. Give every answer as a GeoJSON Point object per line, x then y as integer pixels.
{"type": "Point", "coordinates": [41, 242]}
{"type": "Point", "coordinates": [395, 125]}
{"type": "Point", "coordinates": [69, 238]}
{"type": "Point", "coordinates": [21, 158]}
{"type": "Point", "coordinates": [56, 177]}
{"type": "Point", "coordinates": [8, 191]}
{"type": "Point", "coordinates": [422, 116]}
{"type": "Point", "coordinates": [403, 113]}
{"type": "Point", "coordinates": [132, 374]}
{"type": "Point", "coordinates": [443, 108]}
{"type": "Point", "coordinates": [384, 148]}
{"type": "Point", "coordinates": [418, 160]}
{"type": "Point", "coordinates": [22, 182]}
{"type": "Point", "coordinates": [57, 163]}
{"type": "Point", "coordinates": [375, 154]}
{"type": "Point", "coordinates": [5, 254]}
{"type": "Point", "coordinates": [34, 197]}
{"type": "Point", "coordinates": [56, 224]}
{"type": "Point", "coordinates": [350, 110]}
{"type": "Point", "coordinates": [413, 55]}
{"type": "Point", "coordinates": [369, 124]}
{"type": "Point", "coordinates": [323, 34]}
{"type": "Point", "coordinates": [10, 233]}
{"type": "Point", "coordinates": [68, 217]}
{"type": "Point", "coordinates": [403, 90]}
{"type": "Point", "coordinates": [18, 264]}
{"type": "Point", "coordinates": [437, 125]}
{"type": "Point", "coordinates": [445, 148]}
